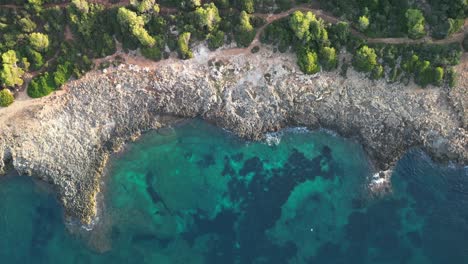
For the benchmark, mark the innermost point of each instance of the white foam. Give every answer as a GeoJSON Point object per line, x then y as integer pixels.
{"type": "Point", "coordinates": [328, 132]}
{"type": "Point", "coordinates": [273, 139]}
{"type": "Point", "coordinates": [380, 182]}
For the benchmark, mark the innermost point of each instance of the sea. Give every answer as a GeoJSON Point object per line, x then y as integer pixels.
{"type": "Point", "coordinates": [195, 193]}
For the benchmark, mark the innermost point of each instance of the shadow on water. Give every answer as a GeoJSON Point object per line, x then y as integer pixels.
{"type": "Point", "coordinates": [203, 196]}
{"type": "Point", "coordinates": [155, 197]}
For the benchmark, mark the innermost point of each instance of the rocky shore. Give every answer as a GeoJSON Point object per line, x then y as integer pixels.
{"type": "Point", "coordinates": [65, 139]}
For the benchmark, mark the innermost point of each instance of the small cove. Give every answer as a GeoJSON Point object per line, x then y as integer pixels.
{"type": "Point", "coordinates": [198, 194]}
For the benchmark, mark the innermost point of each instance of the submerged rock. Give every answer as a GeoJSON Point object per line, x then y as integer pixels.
{"type": "Point", "coordinates": [65, 139]}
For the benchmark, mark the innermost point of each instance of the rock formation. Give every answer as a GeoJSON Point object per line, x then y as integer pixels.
{"type": "Point", "coordinates": [65, 139]}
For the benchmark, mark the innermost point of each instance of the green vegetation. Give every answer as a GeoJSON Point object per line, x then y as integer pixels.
{"type": "Point", "coordinates": [446, 16]}
{"type": "Point", "coordinates": [328, 58]}
{"type": "Point", "coordinates": [245, 32]}
{"type": "Point", "coordinates": [11, 74]}
{"type": "Point", "coordinates": [309, 37]}
{"type": "Point", "coordinates": [279, 34]}
{"type": "Point", "coordinates": [451, 77]}
{"type": "Point", "coordinates": [39, 41]}
{"type": "Point", "coordinates": [215, 39]}
{"type": "Point", "coordinates": [134, 24]}
{"type": "Point", "coordinates": [300, 24]}
{"type": "Point", "coordinates": [183, 44]}
{"type": "Point", "coordinates": [363, 23]}
{"type": "Point", "coordinates": [307, 61]}
{"type": "Point", "coordinates": [207, 17]}
{"type": "Point", "coordinates": [389, 18]}
{"type": "Point", "coordinates": [41, 85]}
{"type": "Point", "coordinates": [6, 98]}
{"type": "Point", "coordinates": [365, 59]}
{"type": "Point", "coordinates": [248, 6]}
{"type": "Point", "coordinates": [415, 23]}
{"type": "Point", "coordinates": [57, 42]}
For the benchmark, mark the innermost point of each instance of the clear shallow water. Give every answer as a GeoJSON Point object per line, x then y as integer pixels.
{"type": "Point", "coordinates": [200, 195]}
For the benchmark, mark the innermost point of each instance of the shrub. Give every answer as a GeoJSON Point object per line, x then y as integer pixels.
{"type": "Point", "coordinates": [215, 39]}
{"type": "Point", "coordinates": [11, 74]}
{"type": "Point", "coordinates": [6, 98]}
{"type": "Point", "coordinates": [438, 76]}
{"type": "Point", "coordinates": [183, 45]}
{"type": "Point", "coordinates": [27, 25]}
{"type": "Point", "coordinates": [41, 85]}
{"type": "Point", "coordinates": [155, 52]}
{"type": "Point", "coordinates": [363, 23]}
{"type": "Point", "coordinates": [365, 59]}
{"type": "Point", "coordinates": [328, 58]}
{"type": "Point", "coordinates": [424, 74]}
{"type": "Point", "coordinates": [415, 23]}
{"type": "Point", "coordinates": [339, 34]}
{"type": "Point", "coordinates": [377, 72]}
{"type": "Point", "coordinates": [39, 41]}
{"type": "Point", "coordinates": [248, 6]}
{"type": "Point", "coordinates": [35, 58]}
{"type": "Point", "coordinates": [300, 24]}
{"type": "Point", "coordinates": [207, 17]}
{"type": "Point", "coordinates": [130, 21]}
{"type": "Point", "coordinates": [278, 33]}
{"type": "Point", "coordinates": [307, 61]}
{"type": "Point", "coordinates": [62, 74]}
{"type": "Point", "coordinates": [451, 78]}
{"type": "Point", "coordinates": [245, 31]}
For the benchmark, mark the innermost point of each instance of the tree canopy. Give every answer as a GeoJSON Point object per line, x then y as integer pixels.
{"type": "Point", "coordinates": [135, 24]}
{"type": "Point", "coordinates": [6, 98]}
{"type": "Point", "coordinates": [363, 23]}
{"type": "Point", "coordinates": [365, 59]}
{"type": "Point", "coordinates": [27, 25]}
{"type": "Point", "coordinates": [207, 17]}
{"type": "Point", "coordinates": [10, 74]}
{"type": "Point", "coordinates": [41, 85]}
{"type": "Point", "coordinates": [415, 23]}
{"type": "Point", "coordinates": [144, 5]}
{"type": "Point", "coordinates": [307, 61]}
{"type": "Point", "coordinates": [328, 58]}
{"type": "Point", "coordinates": [39, 41]}
{"type": "Point", "coordinates": [245, 31]}
{"type": "Point", "coordinates": [248, 6]}
{"type": "Point", "coordinates": [300, 24]}
{"type": "Point", "coordinates": [183, 44]}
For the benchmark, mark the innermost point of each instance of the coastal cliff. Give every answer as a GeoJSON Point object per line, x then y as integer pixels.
{"type": "Point", "coordinates": [65, 139]}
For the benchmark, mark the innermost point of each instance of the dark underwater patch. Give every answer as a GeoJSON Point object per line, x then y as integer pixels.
{"type": "Point", "coordinates": [426, 213]}
{"type": "Point", "coordinates": [227, 169]}
{"type": "Point", "coordinates": [207, 161]}
{"type": "Point", "coordinates": [155, 197]}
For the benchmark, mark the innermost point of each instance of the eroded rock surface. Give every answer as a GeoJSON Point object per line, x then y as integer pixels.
{"type": "Point", "coordinates": [66, 138]}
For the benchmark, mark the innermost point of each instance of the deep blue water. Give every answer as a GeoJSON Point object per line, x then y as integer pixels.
{"type": "Point", "coordinates": [200, 195]}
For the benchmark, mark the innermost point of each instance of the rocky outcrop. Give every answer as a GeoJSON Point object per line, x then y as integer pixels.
{"type": "Point", "coordinates": [65, 140]}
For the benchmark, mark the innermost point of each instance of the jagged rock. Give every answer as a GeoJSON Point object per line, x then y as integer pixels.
{"type": "Point", "coordinates": [65, 139]}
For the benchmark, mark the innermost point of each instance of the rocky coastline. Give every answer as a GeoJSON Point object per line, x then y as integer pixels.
{"type": "Point", "coordinates": [65, 139]}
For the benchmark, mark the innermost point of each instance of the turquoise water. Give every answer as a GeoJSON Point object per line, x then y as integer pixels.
{"type": "Point", "coordinates": [200, 195]}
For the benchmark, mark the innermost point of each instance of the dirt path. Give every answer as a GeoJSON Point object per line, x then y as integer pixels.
{"type": "Point", "coordinates": [68, 33]}
{"type": "Point", "coordinates": [327, 17]}
{"type": "Point", "coordinates": [270, 18]}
